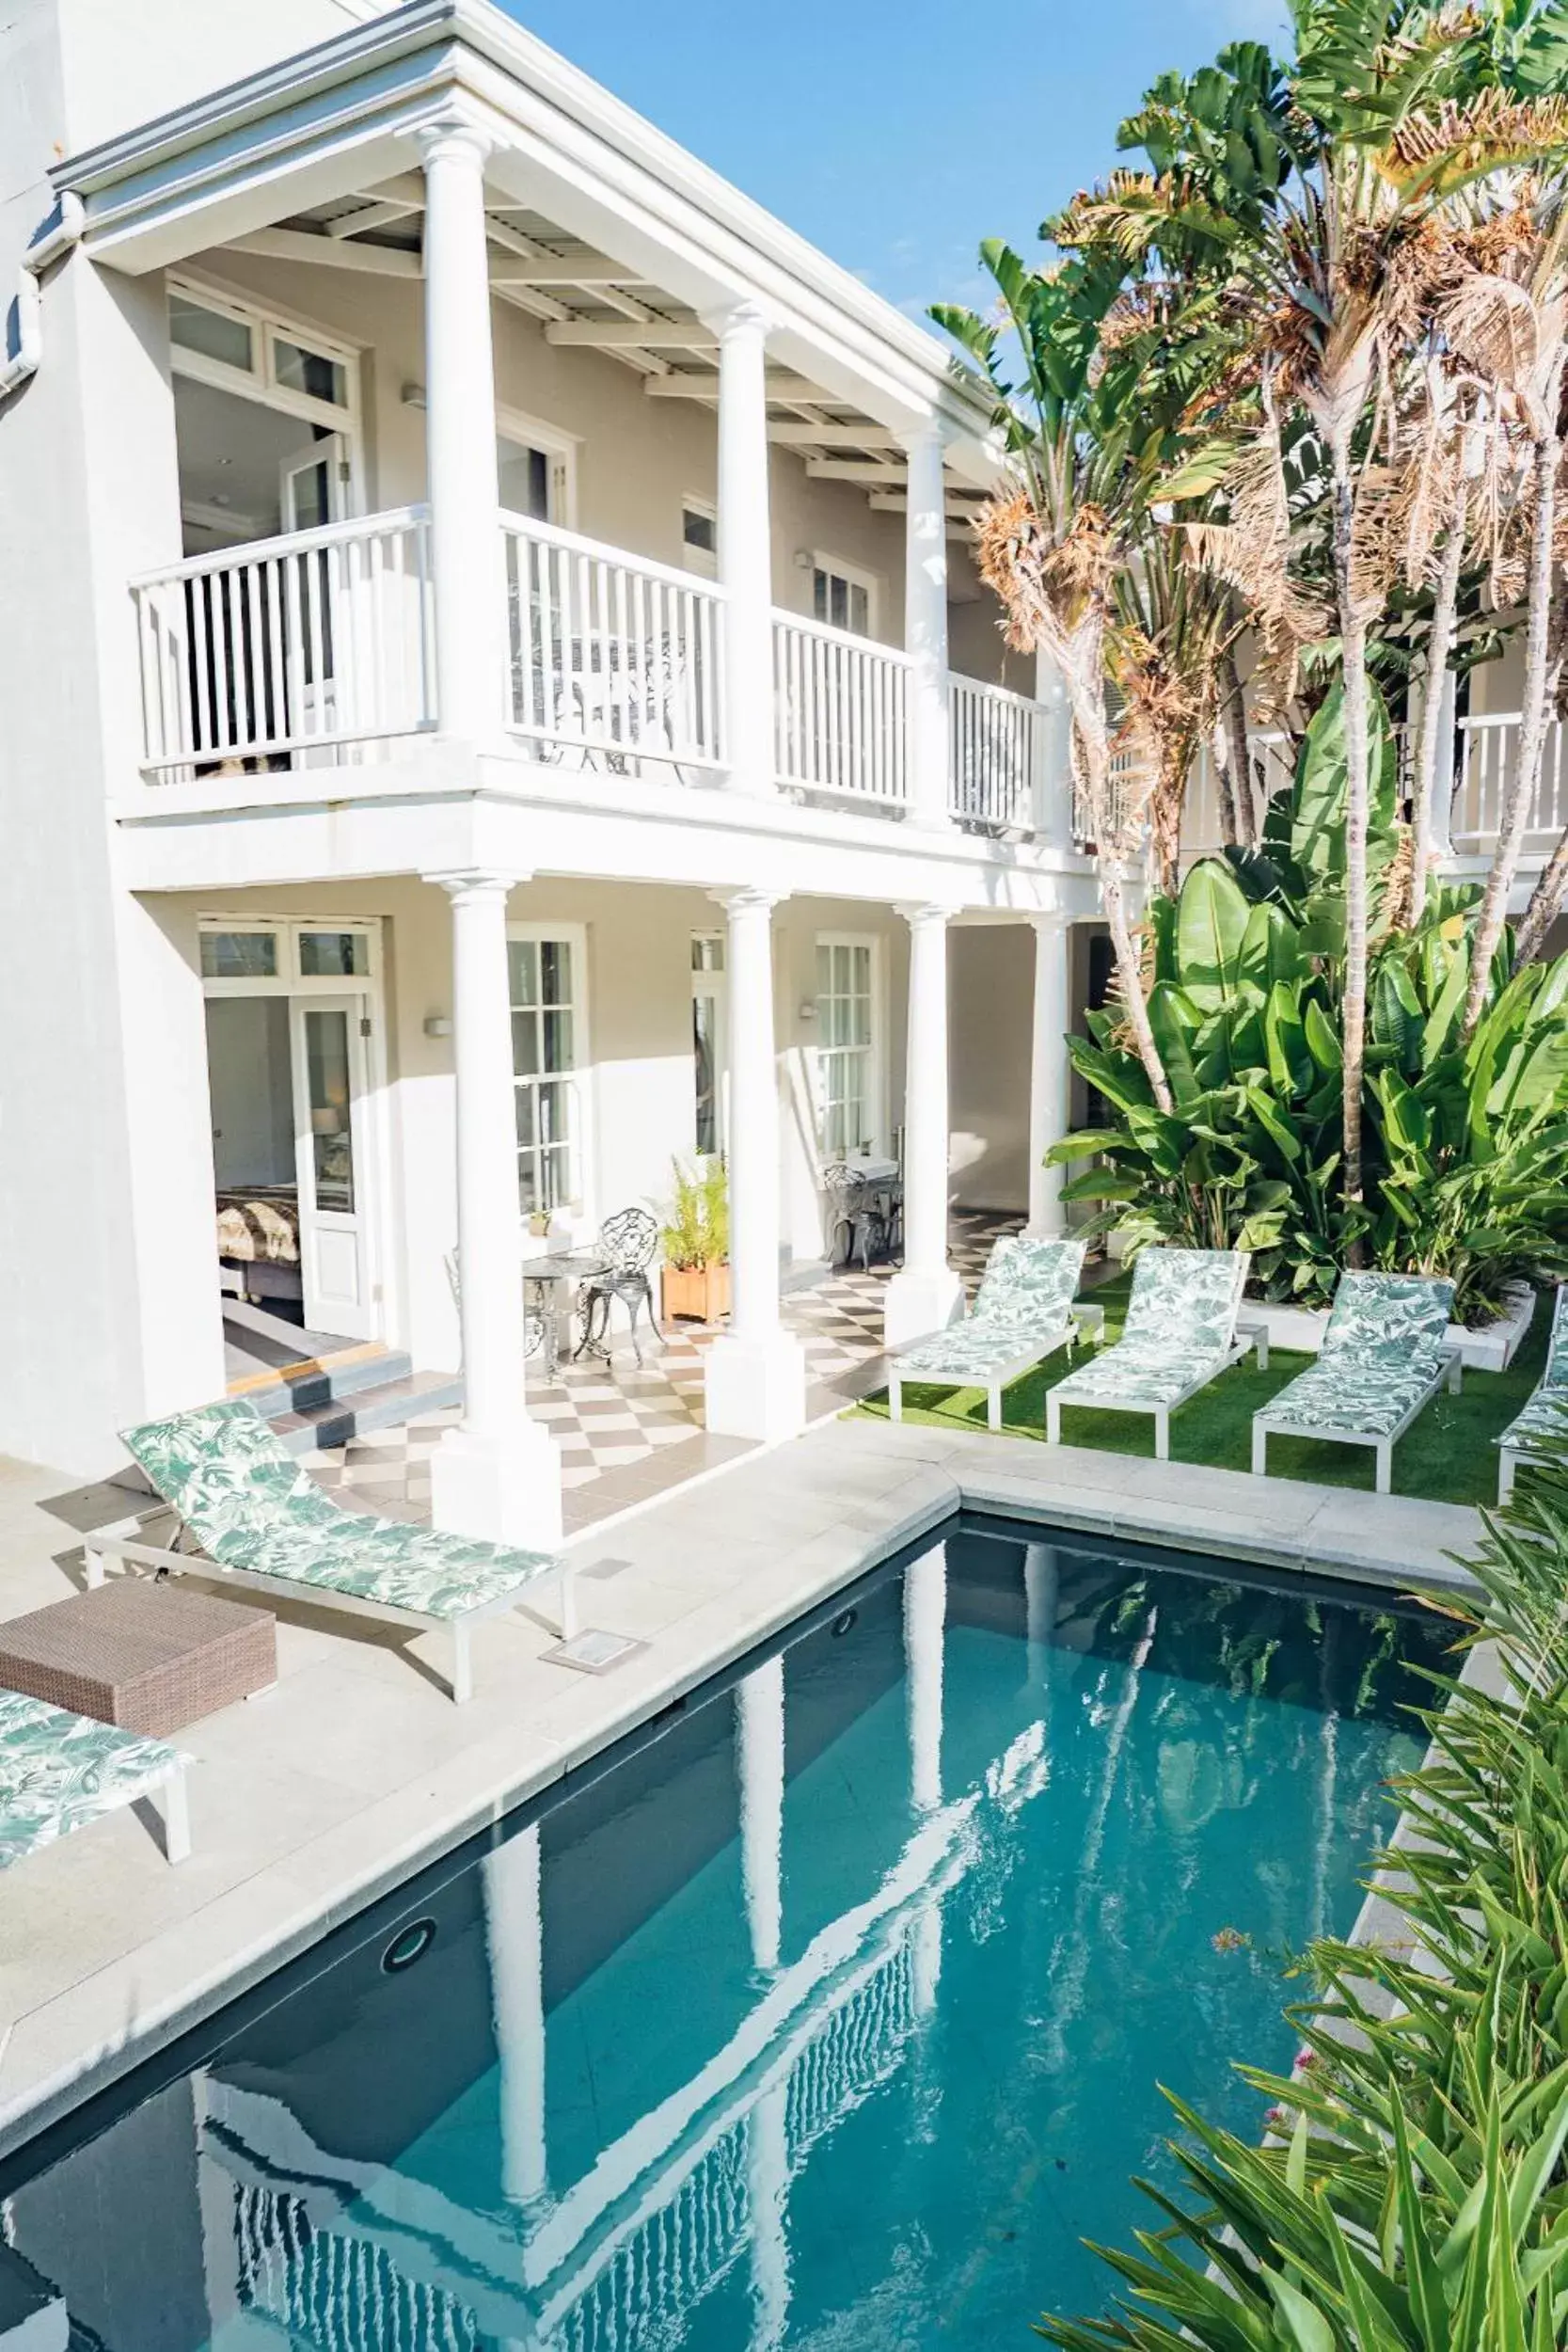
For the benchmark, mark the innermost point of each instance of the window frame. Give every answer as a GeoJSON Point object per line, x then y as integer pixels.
{"type": "Point", "coordinates": [261, 384]}
{"type": "Point", "coordinates": [853, 575]}
{"type": "Point", "coordinates": [702, 562]}
{"type": "Point", "coordinates": [712, 980]}
{"type": "Point", "coordinates": [559, 446]}
{"type": "Point", "coordinates": [289, 980]}
{"type": "Point", "coordinates": [581, 1074]}
{"type": "Point", "coordinates": [874, 1050]}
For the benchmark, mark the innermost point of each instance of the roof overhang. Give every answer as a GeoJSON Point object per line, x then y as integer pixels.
{"type": "Point", "coordinates": [345, 115]}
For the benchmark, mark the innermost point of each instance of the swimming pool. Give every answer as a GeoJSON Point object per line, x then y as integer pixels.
{"type": "Point", "coordinates": [830, 2013]}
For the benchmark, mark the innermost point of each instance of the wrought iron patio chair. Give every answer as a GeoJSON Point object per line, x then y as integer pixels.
{"type": "Point", "coordinates": [627, 1241]}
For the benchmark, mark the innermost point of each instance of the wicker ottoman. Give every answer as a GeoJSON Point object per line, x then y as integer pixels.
{"type": "Point", "coordinates": [149, 1657]}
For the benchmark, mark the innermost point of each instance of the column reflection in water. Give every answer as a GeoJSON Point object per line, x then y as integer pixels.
{"type": "Point", "coordinates": [759, 1740]}
{"type": "Point", "coordinates": [925, 1618]}
{"type": "Point", "coordinates": [768, 2187]}
{"type": "Point", "coordinates": [514, 1929]}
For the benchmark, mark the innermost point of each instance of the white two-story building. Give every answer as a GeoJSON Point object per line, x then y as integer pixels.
{"type": "Point", "coordinates": [495, 700]}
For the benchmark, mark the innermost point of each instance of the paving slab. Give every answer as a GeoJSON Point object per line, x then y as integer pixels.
{"type": "Point", "coordinates": [310, 1801]}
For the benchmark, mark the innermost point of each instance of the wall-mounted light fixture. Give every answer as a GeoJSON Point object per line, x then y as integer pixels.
{"type": "Point", "coordinates": [413, 396]}
{"type": "Point", "coordinates": [437, 1024]}
{"type": "Point", "coordinates": [808, 1008]}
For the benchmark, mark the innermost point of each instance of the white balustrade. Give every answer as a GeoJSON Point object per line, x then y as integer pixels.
{"type": "Point", "coordinates": [998, 745]}
{"type": "Point", "coordinates": [841, 712]}
{"type": "Point", "coordinates": [1488, 763]}
{"type": "Point", "coordinates": [612, 660]}
{"type": "Point", "coordinates": [283, 650]}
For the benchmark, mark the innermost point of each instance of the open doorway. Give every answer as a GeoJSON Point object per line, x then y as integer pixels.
{"type": "Point", "coordinates": [293, 1026]}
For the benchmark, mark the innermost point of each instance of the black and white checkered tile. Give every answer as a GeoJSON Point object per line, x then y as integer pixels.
{"type": "Point", "coordinates": [605, 1416]}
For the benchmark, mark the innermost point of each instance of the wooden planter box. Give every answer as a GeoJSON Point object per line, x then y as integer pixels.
{"type": "Point", "coordinates": [698, 1293]}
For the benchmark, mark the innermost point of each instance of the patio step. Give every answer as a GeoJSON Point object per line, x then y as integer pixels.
{"type": "Point", "coordinates": [385, 1403]}
{"type": "Point", "coordinates": [320, 1379]}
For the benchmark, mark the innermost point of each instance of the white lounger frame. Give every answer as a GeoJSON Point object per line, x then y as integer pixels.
{"type": "Point", "coordinates": [1054, 1401]}
{"type": "Point", "coordinates": [1264, 1427]}
{"type": "Point", "coordinates": [100, 1548]}
{"type": "Point", "coordinates": [1083, 1321]}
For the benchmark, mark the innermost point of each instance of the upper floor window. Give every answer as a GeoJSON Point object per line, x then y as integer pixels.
{"type": "Point", "coordinates": [843, 597]}
{"type": "Point", "coordinates": [238, 348]}
{"type": "Point", "coordinates": [536, 469]}
{"type": "Point", "coordinates": [700, 538]}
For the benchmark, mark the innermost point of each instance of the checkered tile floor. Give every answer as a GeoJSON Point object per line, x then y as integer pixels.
{"type": "Point", "coordinates": [626, 1431]}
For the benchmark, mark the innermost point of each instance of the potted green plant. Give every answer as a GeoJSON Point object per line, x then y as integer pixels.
{"type": "Point", "coordinates": [695, 1237]}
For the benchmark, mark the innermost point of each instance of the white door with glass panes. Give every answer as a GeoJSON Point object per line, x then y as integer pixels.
{"type": "Point", "coordinates": [546, 980]}
{"type": "Point", "coordinates": [331, 1157]}
{"type": "Point", "coordinates": [709, 1031]}
{"type": "Point", "coordinates": [849, 1113]}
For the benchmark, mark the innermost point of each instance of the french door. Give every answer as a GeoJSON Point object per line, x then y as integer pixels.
{"type": "Point", "coordinates": [332, 1158]}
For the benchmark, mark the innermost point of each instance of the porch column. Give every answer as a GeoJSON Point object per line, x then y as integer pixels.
{"type": "Point", "coordinates": [925, 626]}
{"type": "Point", "coordinates": [756, 1376]}
{"type": "Point", "coordinates": [924, 1294]}
{"type": "Point", "coordinates": [759, 1750]}
{"type": "Point", "coordinates": [466, 569]}
{"type": "Point", "coordinates": [745, 547]}
{"type": "Point", "coordinates": [498, 1473]}
{"type": "Point", "coordinates": [1049, 1073]}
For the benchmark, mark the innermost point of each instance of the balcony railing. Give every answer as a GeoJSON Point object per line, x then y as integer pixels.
{"type": "Point", "coordinates": [999, 745]}
{"type": "Point", "coordinates": [1487, 765]}
{"type": "Point", "coordinates": [288, 649]}
{"type": "Point", "coordinates": [840, 712]}
{"type": "Point", "coordinates": [612, 660]}
{"type": "Point", "coordinates": [305, 650]}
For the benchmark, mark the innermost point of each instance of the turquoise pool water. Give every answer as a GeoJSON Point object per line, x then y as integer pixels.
{"type": "Point", "coordinates": [829, 2017]}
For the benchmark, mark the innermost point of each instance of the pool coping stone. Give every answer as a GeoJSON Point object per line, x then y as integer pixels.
{"type": "Point", "coordinates": [107, 1954]}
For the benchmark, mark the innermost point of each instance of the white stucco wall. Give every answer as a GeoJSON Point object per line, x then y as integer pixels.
{"type": "Point", "coordinates": [125, 63]}
{"type": "Point", "coordinates": [991, 1016]}
{"type": "Point", "coordinates": [100, 1137]}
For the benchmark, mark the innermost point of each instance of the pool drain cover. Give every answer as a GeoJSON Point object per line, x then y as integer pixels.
{"type": "Point", "coordinates": [591, 1652]}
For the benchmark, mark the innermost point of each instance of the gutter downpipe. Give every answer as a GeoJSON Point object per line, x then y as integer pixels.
{"type": "Point", "coordinates": [58, 238]}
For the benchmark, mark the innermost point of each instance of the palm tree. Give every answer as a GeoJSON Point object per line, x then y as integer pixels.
{"type": "Point", "coordinates": [1326, 265]}
{"type": "Point", "coordinates": [1174, 624]}
{"type": "Point", "coordinates": [1510, 323]}
{"type": "Point", "coordinates": [1088, 459]}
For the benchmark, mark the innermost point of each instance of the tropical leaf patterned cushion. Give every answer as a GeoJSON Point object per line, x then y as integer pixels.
{"type": "Point", "coordinates": [1381, 1347]}
{"type": "Point", "coordinates": [1547, 1414]}
{"type": "Point", "coordinates": [1021, 1304]}
{"type": "Point", "coordinates": [59, 1772]}
{"type": "Point", "coordinates": [250, 1505]}
{"type": "Point", "coordinates": [1180, 1325]}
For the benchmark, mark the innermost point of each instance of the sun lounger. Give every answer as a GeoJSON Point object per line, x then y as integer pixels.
{"type": "Point", "coordinates": [1385, 1356]}
{"type": "Point", "coordinates": [60, 1772]}
{"type": "Point", "coordinates": [1024, 1311]}
{"type": "Point", "coordinates": [1180, 1334]}
{"type": "Point", "coordinates": [259, 1519]}
{"type": "Point", "coordinates": [1547, 1414]}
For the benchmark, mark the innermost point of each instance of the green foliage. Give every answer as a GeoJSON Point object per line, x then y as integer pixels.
{"type": "Point", "coordinates": [1412, 2194]}
{"type": "Point", "coordinates": [1466, 1146]}
{"type": "Point", "coordinates": [696, 1232]}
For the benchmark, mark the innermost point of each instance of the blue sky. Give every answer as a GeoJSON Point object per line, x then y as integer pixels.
{"type": "Point", "coordinates": [895, 134]}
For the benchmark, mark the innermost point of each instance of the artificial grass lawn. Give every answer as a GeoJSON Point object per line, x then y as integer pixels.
{"type": "Point", "coordinates": [1447, 1454]}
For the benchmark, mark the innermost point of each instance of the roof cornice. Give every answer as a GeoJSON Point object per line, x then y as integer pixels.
{"type": "Point", "coordinates": [376, 71]}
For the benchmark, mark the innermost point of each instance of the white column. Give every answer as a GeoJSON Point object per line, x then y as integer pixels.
{"type": "Point", "coordinates": [1050, 1073]}
{"type": "Point", "coordinates": [1053, 776]}
{"type": "Point", "coordinates": [759, 1748]}
{"type": "Point", "coordinates": [924, 1294]}
{"type": "Point", "coordinates": [460, 436]}
{"type": "Point", "coordinates": [498, 1473]}
{"type": "Point", "coordinates": [515, 1940]}
{"type": "Point", "coordinates": [745, 548]}
{"type": "Point", "coordinates": [756, 1377]}
{"type": "Point", "coordinates": [925, 626]}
